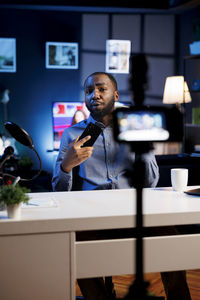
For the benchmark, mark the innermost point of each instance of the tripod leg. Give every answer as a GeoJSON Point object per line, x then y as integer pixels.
{"type": "Point", "coordinates": [110, 287]}
{"type": "Point", "coordinates": [175, 285]}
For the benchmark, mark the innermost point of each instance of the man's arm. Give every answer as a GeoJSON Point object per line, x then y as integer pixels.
{"type": "Point", "coordinates": [152, 170]}
{"type": "Point", "coordinates": [76, 154]}
{"type": "Point", "coordinates": [71, 154]}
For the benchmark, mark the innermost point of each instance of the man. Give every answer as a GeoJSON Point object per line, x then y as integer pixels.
{"type": "Point", "coordinates": [102, 166]}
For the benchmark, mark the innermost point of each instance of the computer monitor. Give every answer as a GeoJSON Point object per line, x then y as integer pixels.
{"type": "Point", "coordinates": [62, 115]}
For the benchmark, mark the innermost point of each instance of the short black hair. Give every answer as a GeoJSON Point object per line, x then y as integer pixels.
{"type": "Point", "coordinates": [111, 77]}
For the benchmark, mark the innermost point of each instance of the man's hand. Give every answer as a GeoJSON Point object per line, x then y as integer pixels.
{"type": "Point", "coordinates": [76, 154]}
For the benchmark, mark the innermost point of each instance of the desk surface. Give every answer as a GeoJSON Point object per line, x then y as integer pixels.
{"type": "Point", "coordinates": [106, 209]}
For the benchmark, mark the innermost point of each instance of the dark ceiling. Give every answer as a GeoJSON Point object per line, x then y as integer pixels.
{"type": "Point", "coordinates": [153, 4]}
{"type": "Point", "coordinates": [95, 3]}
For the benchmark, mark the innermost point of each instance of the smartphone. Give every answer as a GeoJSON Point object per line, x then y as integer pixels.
{"type": "Point", "coordinates": [94, 131]}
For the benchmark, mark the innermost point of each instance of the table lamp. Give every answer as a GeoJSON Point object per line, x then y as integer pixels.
{"type": "Point", "coordinates": [176, 92]}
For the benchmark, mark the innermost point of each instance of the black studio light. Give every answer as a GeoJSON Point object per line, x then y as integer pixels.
{"type": "Point", "coordinates": [20, 135]}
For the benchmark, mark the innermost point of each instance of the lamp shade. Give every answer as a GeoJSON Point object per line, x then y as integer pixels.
{"type": "Point", "coordinates": [176, 90]}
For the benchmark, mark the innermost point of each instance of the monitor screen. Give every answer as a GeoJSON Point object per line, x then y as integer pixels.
{"type": "Point", "coordinates": [63, 117]}
{"type": "Point", "coordinates": [142, 126]}
{"type": "Point", "coordinates": [148, 123]}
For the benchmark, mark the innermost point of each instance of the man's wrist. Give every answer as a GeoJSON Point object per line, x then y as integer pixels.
{"type": "Point", "coordinates": [64, 170]}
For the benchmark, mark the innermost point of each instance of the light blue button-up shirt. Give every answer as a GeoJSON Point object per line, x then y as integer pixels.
{"type": "Point", "coordinates": [106, 167]}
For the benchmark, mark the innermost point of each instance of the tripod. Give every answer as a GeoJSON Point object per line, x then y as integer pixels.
{"type": "Point", "coordinates": [138, 290]}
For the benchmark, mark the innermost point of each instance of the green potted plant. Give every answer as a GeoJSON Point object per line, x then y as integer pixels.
{"type": "Point", "coordinates": [11, 196]}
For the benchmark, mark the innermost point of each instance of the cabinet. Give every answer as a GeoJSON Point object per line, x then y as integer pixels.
{"type": "Point", "coordinates": [191, 71]}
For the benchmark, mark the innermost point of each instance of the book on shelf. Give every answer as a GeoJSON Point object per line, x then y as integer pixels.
{"type": "Point", "coordinates": [196, 115]}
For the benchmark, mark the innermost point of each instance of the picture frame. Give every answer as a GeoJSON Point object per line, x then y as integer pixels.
{"type": "Point", "coordinates": [61, 55]}
{"type": "Point", "coordinates": [117, 56]}
{"type": "Point", "coordinates": [8, 55]}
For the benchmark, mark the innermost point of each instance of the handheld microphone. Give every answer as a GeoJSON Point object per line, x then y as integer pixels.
{"type": "Point", "coordinates": [8, 152]}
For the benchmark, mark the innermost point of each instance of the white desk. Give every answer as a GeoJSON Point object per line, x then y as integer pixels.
{"type": "Point", "coordinates": [40, 259]}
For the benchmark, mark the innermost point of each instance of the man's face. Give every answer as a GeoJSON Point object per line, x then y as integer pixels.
{"type": "Point", "coordinates": [100, 95]}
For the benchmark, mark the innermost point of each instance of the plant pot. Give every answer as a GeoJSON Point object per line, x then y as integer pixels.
{"type": "Point", "coordinates": [14, 211]}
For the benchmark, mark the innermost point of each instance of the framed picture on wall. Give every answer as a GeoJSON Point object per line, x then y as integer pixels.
{"type": "Point", "coordinates": [7, 55]}
{"type": "Point", "coordinates": [117, 56]}
{"type": "Point", "coordinates": [61, 55]}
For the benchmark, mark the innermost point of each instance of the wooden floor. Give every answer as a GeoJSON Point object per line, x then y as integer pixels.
{"type": "Point", "coordinates": [122, 284]}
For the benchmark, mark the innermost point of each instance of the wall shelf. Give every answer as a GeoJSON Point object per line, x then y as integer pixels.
{"type": "Point", "coordinates": [192, 125]}
{"type": "Point", "coordinates": [192, 56]}
{"type": "Point", "coordinates": [192, 136]}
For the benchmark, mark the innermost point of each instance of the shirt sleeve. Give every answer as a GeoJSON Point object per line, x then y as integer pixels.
{"type": "Point", "coordinates": [61, 180]}
{"type": "Point", "coordinates": [152, 170]}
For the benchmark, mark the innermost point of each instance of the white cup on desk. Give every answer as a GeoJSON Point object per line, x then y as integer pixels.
{"type": "Point", "coordinates": [179, 179]}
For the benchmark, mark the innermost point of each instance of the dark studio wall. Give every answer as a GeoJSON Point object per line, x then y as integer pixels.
{"type": "Point", "coordinates": [33, 87]}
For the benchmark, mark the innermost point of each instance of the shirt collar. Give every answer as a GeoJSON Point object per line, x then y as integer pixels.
{"type": "Point", "coordinates": [91, 119]}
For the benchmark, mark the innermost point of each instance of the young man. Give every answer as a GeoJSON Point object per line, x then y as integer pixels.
{"type": "Point", "coordinates": [102, 166]}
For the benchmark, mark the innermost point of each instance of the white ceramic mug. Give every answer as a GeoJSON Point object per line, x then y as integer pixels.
{"type": "Point", "coordinates": [179, 179]}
